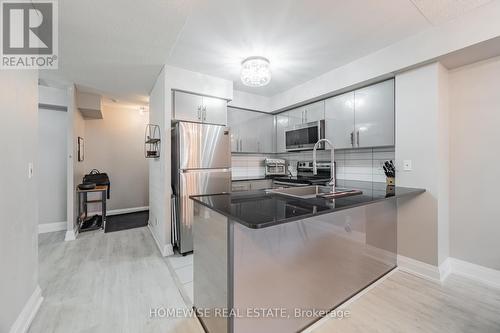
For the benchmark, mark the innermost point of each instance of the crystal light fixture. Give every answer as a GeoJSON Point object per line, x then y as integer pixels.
{"type": "Point", "coordinates": [255, 71]}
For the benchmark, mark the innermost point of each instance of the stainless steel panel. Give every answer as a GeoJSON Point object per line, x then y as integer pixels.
{"type": "Point", "coordinates": [316, 263]}
{"type": "Point", "coordinates": [196, 182]}
{"type": "Point", "coordinates": [202, 146]}
{"type": "Point", "coordinates": [297, 137]}
{"type": "Point", "coordinates": [210, 266]}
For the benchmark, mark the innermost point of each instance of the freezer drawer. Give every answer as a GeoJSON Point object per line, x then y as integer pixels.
{"type": "Point", "coordinates": [196, 182]}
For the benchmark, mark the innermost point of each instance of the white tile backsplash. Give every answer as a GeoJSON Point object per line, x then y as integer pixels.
{"type": "Point", "coordinates": [352, 164]}
{"type": "Point", "coordinates": [248, 166]}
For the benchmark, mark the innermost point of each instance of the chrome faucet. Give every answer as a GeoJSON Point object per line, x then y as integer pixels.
{"type": "Point", "coordinates": [332, 162]}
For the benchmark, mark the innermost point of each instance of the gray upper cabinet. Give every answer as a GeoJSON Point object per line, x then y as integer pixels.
{"type": "Point", "coordinates": [188, 107]}
{"type": "Point", "coordinates": [201, 109]}
{"type": "Point", "coordinates": [295, 116]}
{"type": "Point", "coordinates": [314, 112]}
{"type": "Point", "coordinates": [362, 118]}
{"type": "Point", "coordinates": [282, 123]}
{"type": "Point", "coordinates": [339, 123]}
{"type": "Point", "coordinates": [251, 132]}
{"type": "Point", "coordinates": [374, 110]}
{"type": "Point", "coordinates": [306, 114]}
{"type": "Point", "coordinates": [214, 110]}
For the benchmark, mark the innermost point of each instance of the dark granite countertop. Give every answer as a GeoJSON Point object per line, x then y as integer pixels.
{"type": "Point", "coordinates": [259, 209]}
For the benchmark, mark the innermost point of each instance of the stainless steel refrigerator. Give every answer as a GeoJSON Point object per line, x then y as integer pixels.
{"type": "Point", "coordinates": [201, 164]}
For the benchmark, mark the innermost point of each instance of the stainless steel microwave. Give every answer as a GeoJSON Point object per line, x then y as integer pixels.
{"type": "Point", "coordinates": [305, 136]}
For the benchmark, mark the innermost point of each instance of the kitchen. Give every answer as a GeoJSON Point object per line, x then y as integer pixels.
{"type": "Point", "coordinates": [287, 192]}
{"type": "Point", "coordinates": [297, 166]}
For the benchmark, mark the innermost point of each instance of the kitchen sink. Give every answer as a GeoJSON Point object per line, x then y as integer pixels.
{"type": "Point", "coordinates": [309, 192]}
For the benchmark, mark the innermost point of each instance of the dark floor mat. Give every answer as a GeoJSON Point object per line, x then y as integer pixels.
{"type": "Point", "coordinates": [127, 221]}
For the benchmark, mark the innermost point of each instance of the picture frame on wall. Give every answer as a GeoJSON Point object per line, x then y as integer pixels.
{"type": "Point", "coordinates": [81, 149]}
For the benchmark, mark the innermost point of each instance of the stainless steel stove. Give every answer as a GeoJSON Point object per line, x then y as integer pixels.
{"type": "Point", "coordinates": [305, 175]}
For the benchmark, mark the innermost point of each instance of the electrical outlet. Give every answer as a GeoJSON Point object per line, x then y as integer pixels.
{"type": "Point", "coordinates": [407, 165]}
{"type": "Point", "coordinates": [30, 170]}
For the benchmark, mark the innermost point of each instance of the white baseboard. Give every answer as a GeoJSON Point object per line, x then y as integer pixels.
{"type": "Point", "coordinates": [166, 250]}
{"type": "Point", "coordinates": [28, 312]}
{"type": "Point", "coordinates": [419, 268]}
{"type": "Point", "coordinates": [475, 272]}
{"type": "Point", "coordinates": [51, 227]}
{"type": "Point", "coordinates": [70, 235]}
{"type": "Point", "coordinates": [121, 211]}
{"type": "Point", "coordinates": [469, 270]}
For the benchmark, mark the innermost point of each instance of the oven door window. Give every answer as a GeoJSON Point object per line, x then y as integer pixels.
{"type": "Point", "coordinates": [301, 137]}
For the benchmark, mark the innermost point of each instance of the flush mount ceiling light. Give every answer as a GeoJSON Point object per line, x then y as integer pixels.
{"type": "Point", "coordinates": [255, 71]}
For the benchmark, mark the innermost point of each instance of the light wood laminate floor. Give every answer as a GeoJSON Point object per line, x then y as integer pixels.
{"type": "Point", "coordinates": [106, 283]}
{"type": "Point", "coordinates": [404, 303]}
{"type": "Point", "coordinates": [109, 282]}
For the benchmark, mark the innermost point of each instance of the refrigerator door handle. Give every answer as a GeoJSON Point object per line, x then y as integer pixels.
{"type": "Point", "coordinates": [204, 170]}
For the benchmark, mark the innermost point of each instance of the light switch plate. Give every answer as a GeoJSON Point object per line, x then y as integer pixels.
{"type": "Point", "coordinates": [30, 170]}
{"type": "Point", "coordinates": [407, 165]}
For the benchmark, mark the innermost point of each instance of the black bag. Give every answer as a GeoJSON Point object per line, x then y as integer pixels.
{"type": "Point", "coordinates": [95, 176]}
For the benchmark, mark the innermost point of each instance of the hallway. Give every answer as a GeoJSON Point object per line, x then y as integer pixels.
{"type": "Point", "coordinates": [106, 283]}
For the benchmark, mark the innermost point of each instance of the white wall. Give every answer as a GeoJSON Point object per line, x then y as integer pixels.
{"type": "Point", "coordinates": [475, 138]}
{"type": "Point", "coordinates": [421, 136]}
{"type": "Point", "coordinates": [52, 152]}
{"type": "Point", "coordinates": [244, 100]}
{"type": "Point", "coordinates": [52, 96]}
{"type": "Point", "coordinates": [160, 109]}
{"type": "Point", "coordinates": [115, 145]}
{"type": "Point", "coordinates": [18, 194]}
{"type": "Point", "coordinates": [158, 196]}
{"type": "Point", "coordinates": [76, 169]}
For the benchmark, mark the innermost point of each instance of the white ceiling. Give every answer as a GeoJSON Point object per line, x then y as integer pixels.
{"type": "Point", "coordinates": [302, 39]}
{"type": "Point", "coordinates": [117, 47]}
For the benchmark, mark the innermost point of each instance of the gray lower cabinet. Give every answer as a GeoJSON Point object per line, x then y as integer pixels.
{"type": "Point", "coordinates": [200, 109]}
{"type": "Point", "coordinates": [251, 132]}
{"type": "Point", "coordinates": [251, 185]}
{"type": "Point", "coordinates": [362, 118]}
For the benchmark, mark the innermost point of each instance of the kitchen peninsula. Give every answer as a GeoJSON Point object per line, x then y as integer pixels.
{"type": "Point", "coordinates": [269, 250]}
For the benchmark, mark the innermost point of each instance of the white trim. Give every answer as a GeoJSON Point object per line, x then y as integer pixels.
{"type": "Point", "coordinates": [345, 305]}
{"type": "Point", "coordinates": [51, 227]}
{"type": "Point", "coordinates": [122, 211]}
{"type": "Point", "coordinates": [419, 268]}
{"type": "Point", "coordinates": [166, 250]}
{"type": "Point", "coordinates": [28, 312]}
{"type": "Point", "coordinates": [445, 269]}
{"type": "Point", "coordinates": [475, 272]}
{"type": "Point", "coordinates": [70, 235]}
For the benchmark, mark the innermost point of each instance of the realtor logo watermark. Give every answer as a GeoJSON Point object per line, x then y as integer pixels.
{"type": "Point", "coordinates": [29, 36]}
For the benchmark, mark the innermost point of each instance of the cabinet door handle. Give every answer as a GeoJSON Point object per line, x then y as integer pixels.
{"type": "Point", "coordinates": [357, 136]}
{"type": "Point", "coordinates": [352, 139]}
{"type": "Point", "coordinates": [204, 113]}
{"type": "Point", "coordinates": [305, 116]}
{"type": "Point", "coordinates": [199, 113]}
